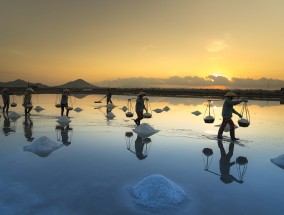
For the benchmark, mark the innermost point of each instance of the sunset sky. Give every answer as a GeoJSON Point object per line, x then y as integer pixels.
{"type": "Point", "coordinates": [118, 41]}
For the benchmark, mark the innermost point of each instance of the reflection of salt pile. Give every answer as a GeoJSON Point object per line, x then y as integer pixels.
{"type": "Point", "coordinates": [77, 109]}
{"type": "Point", "coordinates": [124, 108]}
{"type": "Point", "coordinates": [145, 130]}
{"type": "Point", "coordinates": [14, 115]}
{"type": "Point", "coordinates": [42, 146]}
{"type": "Point", "coordinates": [166, 108]}
{"type": "Point", "coordinates": [158, 192]}
{"type": "Point", "coordinates": [111, 106]}
{"type": "Point", "coordinates": [279, 161]}
{"type": "Point", "coordinates": [196, 113]}
{"type": "Point", "coordinates": [38, 108]}
{"type": "Point", "coordinates": [63, 120]}
{"type": "Point", "coordinates": [158, 110]}
{"type": "Point", "coordinates": [110, 115]}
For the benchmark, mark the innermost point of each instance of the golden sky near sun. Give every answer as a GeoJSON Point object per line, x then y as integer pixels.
{"type": "Point", "coordinates": [57, 41]}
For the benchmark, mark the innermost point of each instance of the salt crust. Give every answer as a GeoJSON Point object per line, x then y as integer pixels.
{"type": "Point", "coordinates": [166, 108]}
{"type": "Point", "coordinates": [38, 108]}
{"type": "Point", "coordinates": [63, 120]}
{"type": "Point", "coordinates": [158, 110]}
{"type": "Point", "coordinates": [42, 146]}
{"type": "Point", "coordinates": [196, 113]}
{"type": "Point", "coordinates": [279, 161]}
{"type": "Point", "coordinates": [77, 109]}
{"type": "Point", "coordinates": [145, 130]}
{"type": "Point", "coordinates": [158, 192]}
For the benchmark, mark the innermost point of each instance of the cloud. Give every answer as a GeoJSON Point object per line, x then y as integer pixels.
{"type": "Point", "coordinates": [217, 45]}
{"type": "Point", "coordinates": [195, 82]}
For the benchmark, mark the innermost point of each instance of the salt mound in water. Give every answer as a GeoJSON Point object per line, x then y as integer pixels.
{"type": "Point", "coordinates": [111, 106]}
{"type": "Point", "coordinates": [110, 115]}
{"type": "Point", "coordinates": [63, 120]}
{"type": "Point", "coordinates": [77, 109]}
{"type": "Point", "coordinates": [42, 146]}
{"type": "Point", "coordinates": [14, 115]}
{"type": "Point", "coordinates": [38, 108]}
{"type": "Point", "coordinates": [196, 113]}
{"type": "Point", "coordinates": [158, 192]}
{"type": "Point", "coordinates": [158, 110]}
{"type": "Point", "coordinates": [279, 161]}
{"type": "Point", "coordinates": [124, 108]}
{"type": "Point", "coordinates": [145, 130]}
{"type": "Point", "coordinates": [166, 108]}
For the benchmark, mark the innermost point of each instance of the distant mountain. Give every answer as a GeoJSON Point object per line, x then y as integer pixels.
{"type": "Point", "coordinates": [79, 83]}
{"type": "Point", "coordinates": [22, 83]}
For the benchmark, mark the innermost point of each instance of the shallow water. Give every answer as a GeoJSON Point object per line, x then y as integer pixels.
{"type": "Point", "coordinates": [96, 166]}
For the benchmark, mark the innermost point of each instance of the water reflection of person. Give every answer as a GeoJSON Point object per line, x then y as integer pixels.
{"type": "Point", "coordinates": [6, 126]}
{"type": "Point", "coordinates": [139, 145]}
{"type": "Point", "coordinates": [64, 135]}
{"type": "Point", "coordinates": [28, 126]}
{"type": "Point", "coordinates": [225, 164]}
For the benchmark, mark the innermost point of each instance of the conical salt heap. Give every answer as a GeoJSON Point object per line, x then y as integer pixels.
{"type": "Point", "coordinates": [279, 161]}
{"type": "Point", "coordinates": [14, 115]}
{"type": "Point", "coordinates": [38, 108]}
{"type": "Point", "coordinates": [110, 115]}
{"type": "Point", "coordinates": [145, 130]}
{"type": "Point", "coordinates": [158, 192]}
{"type": "Point", "coordinates": [196, 113]}
{"type": "Point", "coordinates": [42, 146]}
{"type": "Point", "coordinates": [63, 120]}
{"type": "Point", "coordinates": [124, 108]}
{"type": "Point", "coordinates": [111, 106]}
{"type": "Point", "coordinates": [77, 109]}
{"type": "Point", "coordinates": [158, 110]}
{"type": "Point", "coordinates": [166, 108]}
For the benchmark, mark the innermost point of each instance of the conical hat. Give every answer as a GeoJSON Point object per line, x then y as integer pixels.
{"type": "Point", "coordinates": [30, 89]}
{"type": "Point", "coordinates": [230, 94]}
{"type": "Point", "coordinates": [66, 90]}
{"type": "Point", "coordinates": [142, 94]}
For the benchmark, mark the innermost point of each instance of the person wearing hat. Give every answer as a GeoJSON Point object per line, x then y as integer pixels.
{"type": "Point", "coordinates": [227, 113]}
{"type": "Point", "coordinates": [6, 100]}
{"type": "Point", "coordinates": [108, 96]}
{"type": "Point", "coordinates": [64, 102]}
{"type": "Point", "coordinates": [139, 107]}
{"type": "Point", "coordinates": [28, 101]}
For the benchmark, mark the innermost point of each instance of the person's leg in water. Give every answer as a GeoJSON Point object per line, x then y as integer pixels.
{"type": "Point", "coordinates": [232, 130]}
{"type": "Point", "coordinates": [222, 127]}
{"type": "Point", "coordinates": [62, 109]}
{"type": "Point", "coordinates": [139, 117]}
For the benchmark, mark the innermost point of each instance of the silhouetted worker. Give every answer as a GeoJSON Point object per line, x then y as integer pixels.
{"type": "Point", "coordinates": [227, 113]}
{"type": "Point", "coordinates": [108, 96]}
{"type": "Point", "coordinates": [28, 125]}
{"type": "Point", "coordinates": [64, 102]}
{"type": "Point", "coordinates": [225, 163]}
{"type": "Point", "coordinates": [139, 145]}
{"type": "Point", "coordinates": [6, 100]}
{"type": "Point", "coordinates": [139, 107]}
{"type": "Point", "coordinates": [64, 135]}
{"type": "Point", "coordinates": [28, 101]}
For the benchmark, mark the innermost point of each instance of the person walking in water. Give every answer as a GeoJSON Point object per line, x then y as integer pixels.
{"type": "Point", "coordinates": [139, 107]}
{"type": "Point", "coordinates": [6, 100]}
{"type": "Point", "coordinates": [227, 113]}
{"type": "Point", "coordinates": [108, 96]}
{"type": "Point", "coordinates": [28, 101]}
{"type": "Point", "coordinates": [64, 102]}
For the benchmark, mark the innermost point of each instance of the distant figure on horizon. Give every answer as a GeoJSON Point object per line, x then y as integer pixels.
{"type": "Point", "coordinates": [139, 107]}
{"type": "Point", "coordinates": [28, 101]}
{"type": "Point", "coordinates": [108, 96]}
{"type": "Point", "coordinates": [6, 100]}
{"type": "Point", "coordinates": [64, 102]}
{"type": "Point", "coordinates": [227, 113]}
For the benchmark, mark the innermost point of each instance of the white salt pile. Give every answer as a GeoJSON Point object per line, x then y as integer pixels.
{"type": "Point", "coordinates": [129, 114]}
{"type": "Point", "coordinates": [42, 146]}
{"type": "Point", "coordinates": [110, 115]}
{"type": "Point", "coordinates": [38, 108]}
{"type": "Point", "coordinates": [124, 108]}
{"type": "Point", "coordinates": [147, 115]}
{"type": "Point", "coordinates": [63, 120]}
{"type": "Point", "coordinates": [14, 115]}
{"type": "Point", "coordinates": [158, 192]}
{"type": "Point", "coordinates": [158, 110]}
{"type": "Point", "coordinates": [77, 109]}
{"type": "Point", "coordinates": [166, 108]}
{"type": "Point", "coordinates": [145, 130]}
{"type": "Point", "coordinates": [111, 106]}
{"type": "Point", "coordinates": [279, 161]}
{"type": "Point", "coordinates": [196, 113]}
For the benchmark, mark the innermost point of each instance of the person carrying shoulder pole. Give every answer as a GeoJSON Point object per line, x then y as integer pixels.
{"type": "Point", "coordinates": [227, 112]}
{"type": "Point", "coordinates": [28, 101]}
{"type": "Point", "coordinates": [139, 107]}
{"type": "Point", "coordinates": [6, 100]}
{"type": "Point", "coordinates": [108, 96]}
{"type": "Point", "coordinates": [64, 102]}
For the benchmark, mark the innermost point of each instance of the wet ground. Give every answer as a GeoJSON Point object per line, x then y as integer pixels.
{"type": "Point", "coordinates": [97, 163]}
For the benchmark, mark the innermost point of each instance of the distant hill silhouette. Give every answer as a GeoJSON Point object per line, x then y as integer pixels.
{"type": "Point", "coordinates": [22, 83]}
{"type": "Point", "coordinates": [79, 83]}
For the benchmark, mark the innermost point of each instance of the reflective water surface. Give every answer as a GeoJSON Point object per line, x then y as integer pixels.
{"type": "Point", "coordinates": [99, 159]}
